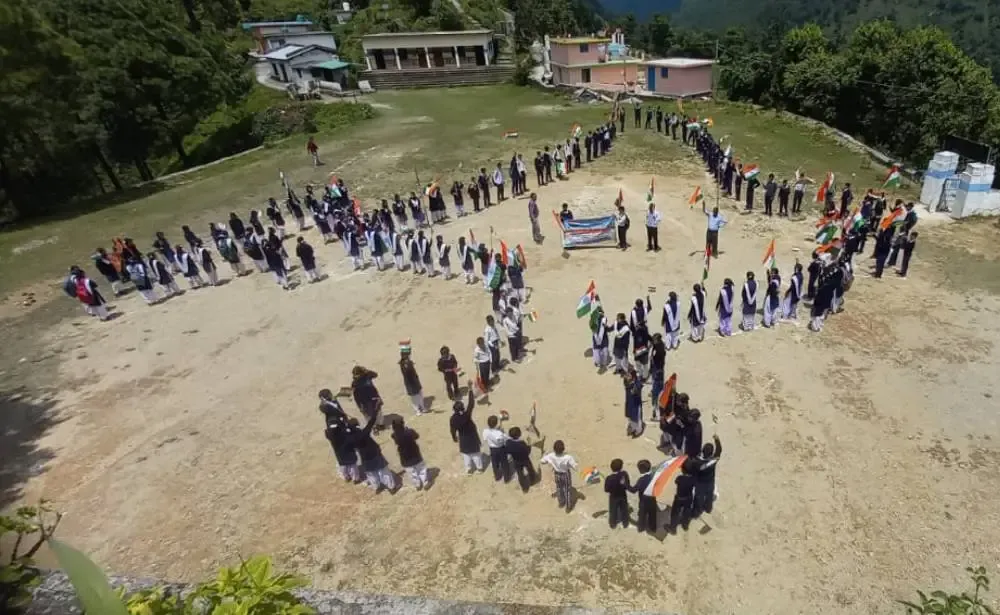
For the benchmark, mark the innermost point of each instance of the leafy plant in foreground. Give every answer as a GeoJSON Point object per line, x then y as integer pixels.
{"type": "Point", "coordinates": [26, 531]}
{"type": "Point", "coordinates": [942, 603]}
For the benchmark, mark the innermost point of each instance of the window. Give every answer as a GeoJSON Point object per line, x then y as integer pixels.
{"type": "Point", "coordinates": [585, 75]}
{"type": "Point", "coordinates": [402, 55]}
{"type": "Point", "coordinates": [584, 47]}
{"type": "Point", "coordinates": [664, 72]}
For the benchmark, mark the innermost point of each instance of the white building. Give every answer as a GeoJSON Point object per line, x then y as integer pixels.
{"type": "Point", "coordinates": [277, 40]}
{"type": "Point", "coordinates": [295, 63]}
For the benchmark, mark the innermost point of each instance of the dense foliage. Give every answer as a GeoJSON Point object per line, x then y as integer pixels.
{"type": "Point", "coordinates": [22, 533]}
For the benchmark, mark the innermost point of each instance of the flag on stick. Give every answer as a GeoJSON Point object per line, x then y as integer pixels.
{"type": "Point", "coordinates": [663, 475]}
{"type": "Point", "coordinates": [696, 196]}
{"type": "Point", "coordinates": [522, 262]}
{"type": "Point", "coordinates": [356, 204]}
{"type": "Point", "coordinates": [750, 171]}
{"type": "Point", "coordinates": [493, 275]}
{"type": "Point", "coordinates": [828, 232]}
{"type": "Point", "coordinates": [533, 316]}
{"type": "Point", "coordinates": [652, 190]}
{"type": "Point", "coordinates": [504, 254]}
{"type": "Point", "coordinates": [708, 262]}
{"type": "Point", "coordinates": [893, 178]}
{"type": "Point", "coordinates": [769, 256]}
{"type": "Point", "coordinates": [575, 130]}
{"type": "Point", "coordinates": [668, 389]}
{"type": "Point", "coordinates": [472, 238]}
{"type": "Point", "coordinates": [894, 216]}
{"type": "Point", "coordinates": [825, 187]}
{"type": "Point", "coordinates": [586, 301]}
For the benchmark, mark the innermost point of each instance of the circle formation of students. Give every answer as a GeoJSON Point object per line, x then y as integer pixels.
{"type": "Point", "coordinates": [386, 232]}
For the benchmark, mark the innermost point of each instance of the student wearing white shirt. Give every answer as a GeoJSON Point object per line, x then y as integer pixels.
{"type": "Point", "coordinates": [562, 467]}
{"type": "Point", "coordinates": [492, 337]}
{"type": "Point", "coordinates": [496, 439]}
{"type": "Point", "coordinates": [481, 357]}
{"type": "Point", "coordinates": [513, 331]}
{"type": "Point", "coordinates": [653, 218]}
{"type": "Point", "coordinates": [498, 182]}
{"type": "Point", "coordinates": [622, 222]}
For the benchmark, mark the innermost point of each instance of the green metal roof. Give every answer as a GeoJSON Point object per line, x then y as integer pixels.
{"type": "Point", "coordinates": [332, 64]}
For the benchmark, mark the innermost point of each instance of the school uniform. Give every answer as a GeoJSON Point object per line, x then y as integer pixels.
{"type": "Point", "coordinates": [513, 337]}
{"type": "Point", "coordinates": [466, 254]}
{"type": "Point", "coordinates": [411, 382]}
{"type": "Point", "coordinates": [376, 246]}
{"type": "Point", "coordinates": [140, 277]}
{"type": "Point", "coordinates": [410, 456]}
{"type": "Point", "coordinates": [190, 270]}
{"type": "Point", "coordinates": [696, 316]}
{"type": "Point", "coordinates": [520, 456]}
{"type": "Point", "coordinates": [483, 358]}
{"type": "Point", "coordinates": [426, 258]}
{"type": "Point", "coordinates": [616, 485]}
{"type": "Point", "coordinates": [277, 220]}
{"type": "Point", "coordinates": [492, 338]}
{"type": "Point", "coordinates": [163, 247]}
{"type": "Point", "coordinates": [704, 485]}
{"type": "Point", "coordinates": [749, 296]}
{"type": "Point", "coordinates": [414, 250]}
{"type": "Point", "coordinates": [516, 277]}
{"type": "Point", "coordinates": [308, 259]}
{"type": "Point", "coordinates": [646, 521]}
{"type": "Point", "coordinates": [448, 366]}
{"type": "Point", "coordinates": [353, 246]}
{"type": "Point", "coordinates": [484, 188]}
{"type": "Point", "coordinates": [277, 266]}
{"type": "Point", "coordinates": [252, 248]}
{"type": "Point", "coordinates": [599, 343]}
{"type": "Point", "coordinates": [444, 258]}
{"type": "Point", "coordinates": [671, 322]}
{"type": "Point", "coordinates": [106, 268]}
{"type": "Point", "coordinates": [640, 350]}
{"type": "Point", "coordinates": [623, 336]}
{"type": "Point", "coordinates": [464, 432]}
{"type": "Point", "coordinates": [682, 507]}
{"type": "Point", "coordinates": [163, 277]}
{"type": "Point", "coordinates": [633, 408]}
{"type": "Point", "coordinates": [344, 452]}
{"type": "Point", "coordinates": [657, 370]}
{"type": "Point", "coordinates": [208, 265]}
{"type": "Point", "coordinates": [772, 301]}
{"type": "Point", "coordinates": [562, 473]}
{"type": "Point", "coordinates": [496, 440]}
{"type": "Point", "coordinates": [373, 463]}
{"type": "Point", "coordinates": [789, 307]}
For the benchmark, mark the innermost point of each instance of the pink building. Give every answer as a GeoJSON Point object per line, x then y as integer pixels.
{"type": "Point", "coordinates": [681, 77]}
{"type": "Point", "coordinates": [590, 61]}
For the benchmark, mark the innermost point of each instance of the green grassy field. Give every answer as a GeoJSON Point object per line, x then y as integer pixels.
{"type": "Point", "coordinates": [446, 134]}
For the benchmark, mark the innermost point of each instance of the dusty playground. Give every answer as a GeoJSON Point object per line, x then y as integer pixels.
{"type": "Point", "coordinates": [860, 464]}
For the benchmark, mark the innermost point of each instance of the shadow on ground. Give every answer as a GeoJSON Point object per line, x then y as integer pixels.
{"type": "Point", "coordinates": [24, 420]}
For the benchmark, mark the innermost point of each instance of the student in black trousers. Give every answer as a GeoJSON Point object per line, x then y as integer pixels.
{"type": "Point", "coordinates": [682, 508]}
{"type": "Point", "coordinates": [520, 455]}
{"type": "Point", "coordinates": [908, 245]}
{"type": "Point", "coordinates": [647, 504]}
{"type": "Point", "coordinates": [616, 485]}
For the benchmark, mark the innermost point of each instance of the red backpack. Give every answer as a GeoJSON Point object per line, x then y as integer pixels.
{"type": "Point", "coordinates": [82, 291]}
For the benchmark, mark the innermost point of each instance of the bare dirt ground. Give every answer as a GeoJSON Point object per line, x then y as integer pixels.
{"type": "Point", "coordinates": [860, 464]}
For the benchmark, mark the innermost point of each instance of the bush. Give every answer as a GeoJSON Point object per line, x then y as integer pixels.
{"type": "Point", "coordinates": [25, 531]}
{"type": "Point", "coordinates": [942, 603]}
{"type": "Point", "coordinates": [522, 70]}
{"type": "Point", "coordinates": [305, 117]}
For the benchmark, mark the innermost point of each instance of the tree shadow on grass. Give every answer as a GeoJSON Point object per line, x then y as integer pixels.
{"type": "Point", "coordinates": [25, 418]}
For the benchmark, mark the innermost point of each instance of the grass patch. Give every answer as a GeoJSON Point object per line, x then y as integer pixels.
{"type": "Point", "coordinates": [430, 133]}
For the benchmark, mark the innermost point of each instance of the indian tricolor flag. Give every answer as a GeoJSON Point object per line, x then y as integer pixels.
{"type": "Point", "coordinates": [652, 190]}
{"type": "Point", "coordinates": [662, 476]}
{"type": "Point", "coordinates": [708, 262]}
{"type": "Point", "coordinates": [769, 256]}
{"type": "Point", "coordinates": [894, 216]}
{"type": "Point", "coordinates": [695, 196]}
{"type": "Point", "coordinates": [893, 178]}
{"type": "Point", "coordinates": [825, 188]}
{"type": "Point", "coordinates": [586, 301]}
{"type": "Point", "coordinates": [751, 171]}
{"type": "Point", "coordinates": [575, 130]}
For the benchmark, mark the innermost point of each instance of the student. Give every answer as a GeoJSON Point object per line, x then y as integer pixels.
{"type": "Point", "coordinates": [623, 336]}
{"type": "Point", "coordinates": [520, 457]}
{"type": "Point", "coordinates": [464, 432]}
{"type": "Point", "coordinates": [799, 192]}
{"type": "Point", "coordinates": [772, 299]}
{"type": "Point", "coordinates": [295, 209]}
{"type": "Point", "coordinates": [252, 248]}
{"type": "Point", "coordinates": [814, 271]}
{"type": "Point", "coordinates": [411, 382]}
{"type": "Point", "coordinates": [85, 290]}
{"type": "Point", "coordinates": [457, 196]}
{"type": "Point", "coordinates": [496, 440]}
{"type": "Point", "coordinates": [696, 314]}
{"type": "Point", "coordinates": [376, 246]}
{"type": "Point", "coordinates": [313, 150]}
{"type": "Point", "coordinates": [658, 360]}
{"type": "Point", "coordinates": [539, 169]}
{"type": "Point", "coordinates": [466, 255]}
{"type": "Point", "coordinates": [633, 404]}
{"type": "Point", "coordinates": [339, 436]}
{"type": "Point", "coordinates": [789, 307]}
{"type": "Point", "coordinates": [749, 296]}
{"type": "Point", "coordinates": [616, 485]}
{"type": "Point", "coordinates": [162, 275]}
{"type": "Point", "coordinates": [565, 214]}
{"type": "Point", "coordinates": [484, 186]}
{"type": "Point", "coordinates": [533, 212]}
{"type": "Point", "coordinates": [443, 251]}
{"type": "Point", "coordinates": [704, 487]}
{"type": "Point", "coordinates": [576, 152]}
{"type": "Point", "coordinates": [822, 302]}
{"type": "Point", "coordinates": [161, 245]}
{"type": "Point", "coordinates": [562, 471]}
{"type": "Point", "coordinates": [409, 453]}
{"type": "Point", "coordinates": [621, 224]}
{"type": "Point", "coordinates": [352, 244]}
{"type": "Point", "coordinates": [413, 248]}
{"type": "Point", "coordinates": [724, 307]}
{"type": "Point", "coordinates": [846, 198]}
{"type": "Point", "coordinates": [513, 335]}
{"type": "Point", "coordinates": [273, 214]}
{"type": "Point", "coordinates": [739, 182]}
{"type": "Point", "coordinates": [207, 264]}
{"type": "Point", "coordinates": [398, 249]}
{"type": "Point", "coordinates": [498, 182]}
{"type": "Point", "coordinates": [191, 239]}
{"type": "Point", "coordinates": [752, 184]}
{"type": "Point", "coordinates": [909, 244]}
{"type": "Point", "coordinates": [883, 246]}
{"type": "Point", "coordinates": [426, 257]}
{"type": "Point", "coordinates": [653, 218]}
{"type": "Point", "coordinates": [366, 395]}
{"type": "Point", "coordinates": [419, 220]}
{"type": "Point", "coordinates": [140, 277]}
{"type": "Point", "coordinates": [107, 269]}
{"type": "Point", "coordinates": [228, 251]}
{"type": "Point", "coordinates": [671, 321]}
{"type": "Point", "coordinates": [308, 258]}
{"type": "Point", "coordinates": [492, 337]}
{"type": "Point", "coordinates": [770, 191]}
{"type": "Point", "coordinates": [482, 357]}
{"type": "Point", "coordinates": [547, 166]}
{"type": "Point", "coordinates": [646, 521]}
{"type": "Point", "coordinates": [276, 264]}
{"type": "Point", "coordinates": [783, 192]}
{"type": "Point", "coordinates": [599, 339]}
{"type": "Point", "coordinates": [682, 507]}
{"type": "Point", "coordinates": [188, 268]}
{"type": "Point", "coordinates": [515, 176]}
{"type": "Point", "coordinates": [333, 412]}
{"type": "Point", "coordinates": [373, 463]}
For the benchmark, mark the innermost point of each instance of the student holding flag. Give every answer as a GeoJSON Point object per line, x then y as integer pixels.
{"type": "Point", "coordinates": [696, 314]}
{"type": "Point", "coordinates": [715, 223]}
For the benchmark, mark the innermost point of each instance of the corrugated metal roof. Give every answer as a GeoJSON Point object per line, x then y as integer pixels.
{"type": "Point", "coordinates": [680, 62]}
{"type": "Point", "coordinates": [259, 24]}
{"type": "Point", "coordinates": [332, 65]}
{"type": "Point", "coordinates": [284, 53]}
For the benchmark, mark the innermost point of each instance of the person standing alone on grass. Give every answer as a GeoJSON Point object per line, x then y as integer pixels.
{"type": "Point", "coordinates": [562, 470]}
{"type": "Point", "coordinates": [653, 218]}
{"type": "Point", "coordinates": [313, 150]}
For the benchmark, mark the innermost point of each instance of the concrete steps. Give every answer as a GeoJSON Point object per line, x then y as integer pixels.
{"type": "Point", "coordinates": [439, 77]}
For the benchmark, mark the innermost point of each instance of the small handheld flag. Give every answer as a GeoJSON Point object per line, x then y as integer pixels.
{"type": "Point", "coordinates": [591, 476]}
{"type": "Point", "coordinates": [472, 237]}
{"type": "Point", "coordinates": [504, 254]}
{"type": "Point", "coordinates": [522, 262]}
{"type": "Point", "coordinates": [575, 130]}
{"type": "Point", "coordinates": [893, 178]}
{"type": "Point", "coordinates": [652, 190]}
{"type": "Point", "coordinates": [404, 346]}
{"type": "Point", "coordinates": [824, 188]}
{"type": "Point", "coordinates": [769, 256]}
{"type": "Point", "coordinates": [533, 316]}
{"type": "Point", "coordinates": [708, 262]}
{"type": "Point", "coordinates": [696, 196]}
{"type": "Point", "coordinates": [504, 415]}
{"type": "Point", "coordinates": [586, 301]}
{"type": "Point", "coordinates": [750, 171]}
{"type": "Point", "coordinates": [668, 389]}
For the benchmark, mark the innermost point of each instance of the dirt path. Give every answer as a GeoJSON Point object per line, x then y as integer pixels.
{"type": "Point", "coordinates": [860, 464]}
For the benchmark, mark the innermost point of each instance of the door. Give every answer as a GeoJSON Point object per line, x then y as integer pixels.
{"type": "Point", "coordinates": [480, 56]}
{"type": "Point", "coordinates": [422, 58]}
{"type": "Point", "coordinates": [379, 59]}
{"type": "Point", "coordinates": [651, 78]}
{"type": "Point", "coordinates": [585, 75]}
{"type": "Point", "coordinates": [438, 57]}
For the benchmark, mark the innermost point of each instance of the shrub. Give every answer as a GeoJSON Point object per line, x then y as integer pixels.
{"type": "Point", "coordinates": [26, 530]}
